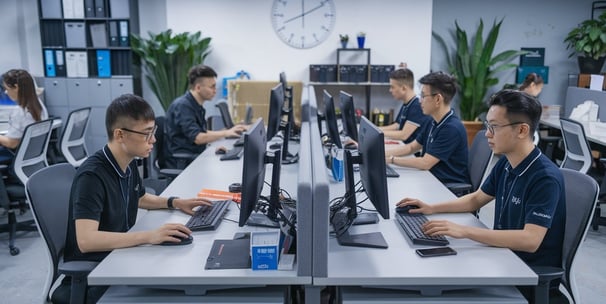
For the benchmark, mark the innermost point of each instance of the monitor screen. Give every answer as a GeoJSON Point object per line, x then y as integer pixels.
{"type": "Point", "coordinates": [253, 170]}
{"type": "Point", "coordinates": [331, 120]}
{"type": "Point", "coordinates": [276, 102]}
{"type": "Point", "coordinates": [287, 126]}
{"type": "Point", "coordinates": [348, 116]}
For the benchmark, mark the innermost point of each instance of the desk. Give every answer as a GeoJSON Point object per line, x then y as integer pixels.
{"type": "Point", "coordinates": [4, 125]}
{"type": "Point", "coordinates": [591, 133]}
{"type": "Point", "coordinates": [182, 267]}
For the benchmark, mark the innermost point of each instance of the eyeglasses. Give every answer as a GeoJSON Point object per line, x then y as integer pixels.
{"type": "Point", "coordinates": [491, 127]}
{"type": "Point", "coordinates": [432, 94]}
{"type": "Point", "coordinates": [148, 135]}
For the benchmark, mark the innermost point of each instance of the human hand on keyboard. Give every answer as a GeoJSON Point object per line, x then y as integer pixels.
{"type": "Point", "coordinates": [415, 206]}
{"type": "Point", "coordinates": [169, 233]}
{"type": "Point", "coordinates": [446, 228]}
{"type": "Point", "coordinates": [188, 205]}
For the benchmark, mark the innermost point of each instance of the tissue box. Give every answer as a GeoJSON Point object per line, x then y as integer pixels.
{"type": "Point", "coordinates": [265, 250]}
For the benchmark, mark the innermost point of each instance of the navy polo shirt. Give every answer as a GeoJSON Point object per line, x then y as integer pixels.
{"type": "Point", "coordinates": [411, 112]}
{"type": "Point", "coordinates": [101, 191]}
{"type": "Point", "coordinates": [447, 141]}
{"type": "Point", "coordinates": [185, 119]}
{"type": "Point", "coordinates": [533, 193]}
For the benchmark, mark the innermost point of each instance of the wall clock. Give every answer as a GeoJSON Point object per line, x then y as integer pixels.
{"type": "Point", "coordinates": [303, 24]}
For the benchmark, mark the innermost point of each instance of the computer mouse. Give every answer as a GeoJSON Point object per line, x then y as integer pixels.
{"type": "Point", "coordinates": [405, 209]}
{"type": "Point", "coordinates": [220, 150]}
{"type": "Point", "coordinates": [184, 241]}
{"type": "Point", "coordinates": [350, 146]}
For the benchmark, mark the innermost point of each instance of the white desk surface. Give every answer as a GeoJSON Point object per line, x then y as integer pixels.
{"type": "Point", "coordinates": [591, 133]}
{"type": "Point", "coordinates": [4, 125]}
{"type": "Point", "coordinates": [474, 265]}
{"type": "Point", "coordinates": [184, 265]}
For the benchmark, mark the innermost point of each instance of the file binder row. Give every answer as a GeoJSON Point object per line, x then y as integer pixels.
{"type": "Point", "coordinates": [75, 34]}
{"type": "Point", "coordinates": [79, 9]}
{"type": "Point", "coordinates": [349, 73]}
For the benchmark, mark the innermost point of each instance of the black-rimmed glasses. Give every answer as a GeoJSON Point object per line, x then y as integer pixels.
{"type": "Point", "coordinates": [148, 135]}
{"type": "Point", "coordinates": [491, 127]}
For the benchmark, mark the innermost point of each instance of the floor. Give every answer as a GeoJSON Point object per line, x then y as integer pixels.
{"type": "Point", "coordinates": [22, 277]}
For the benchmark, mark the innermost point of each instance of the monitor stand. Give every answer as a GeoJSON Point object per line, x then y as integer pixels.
{"type": "Point", "coordinates": [261, 220]}
{"type": "Point", "coordinates": [366, 218]}
{"type": "Point", "coordinates": [367, 240]}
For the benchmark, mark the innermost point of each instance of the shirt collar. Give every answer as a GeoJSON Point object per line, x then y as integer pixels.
{"type": "Point", "coordinates": [192, 100]}
{"type": "Point", "coordinates": [525, 164]}
{"type": "Point", "coordinates": [112, 160]}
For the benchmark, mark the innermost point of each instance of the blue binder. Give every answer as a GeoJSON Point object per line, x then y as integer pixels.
{"type": "Point", "coordinates": [49, 60]}
{"type": "Point", "coordinates": [103, 63]}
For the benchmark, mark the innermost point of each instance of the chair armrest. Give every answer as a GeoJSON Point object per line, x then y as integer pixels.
{"type": "Point", "coordinates": [188, 156]}
{"type": "Point", "coordinates": [76, 268]}
{"type": "Point", "coordinates": [546, 276]}
{"type": "Point", "coordinates": [171, 173]}
{"type": "Point", "coordinates": [458, 189]}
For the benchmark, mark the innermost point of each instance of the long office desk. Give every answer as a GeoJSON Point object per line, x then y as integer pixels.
{"type": "Point", "coordinates": [182, 267]}
{"type": "Point", "coordinates": [592, 132]}
{"type": "Point", "coordinates": [399, 267]}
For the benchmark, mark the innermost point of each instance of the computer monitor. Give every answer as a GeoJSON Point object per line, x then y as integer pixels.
{"type": "Point", "coordinates": [287, 126]}
{"type": "Point", "coordinates": [371, 158]}
{"type": "Point", "coordinates": [276, 102]}
{"type": "Point", "coordinates": [331, 120]}
{"type": "Point", "coordinates": [348, 116]}
{"type": "Point", "coordinates": [249, 115]}
{"type": "Point", "coordinates": [253, 178]}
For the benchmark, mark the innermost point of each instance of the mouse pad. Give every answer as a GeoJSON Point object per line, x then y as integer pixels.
{"type": "Point", "coordinates": [229, 254]}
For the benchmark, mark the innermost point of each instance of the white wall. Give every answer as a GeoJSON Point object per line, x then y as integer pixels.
{"type": "Point", "coordinates": [526, 24]}
{"type": "Point", "coordinates": [20, 36]}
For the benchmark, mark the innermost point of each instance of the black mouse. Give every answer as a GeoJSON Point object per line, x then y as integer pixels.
{"type": "Point", "coordinates": [184, 241]}
{"type": "Point", "coordinates": [405, 209]}
{"type": "Point", "coordinates": [220, 150]}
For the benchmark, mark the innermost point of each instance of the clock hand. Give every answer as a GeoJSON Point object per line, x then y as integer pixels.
{"type": "Point", "coordinates": [305, 13]}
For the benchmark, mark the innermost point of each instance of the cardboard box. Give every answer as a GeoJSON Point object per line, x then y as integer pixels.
{"type": "Point", "coordinates": [265, 250]}
{"type": "Point", "coordinates": [256, 94]}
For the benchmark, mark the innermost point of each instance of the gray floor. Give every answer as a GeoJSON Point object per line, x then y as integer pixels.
{"type": "Point", "coordinates": [22, 277]}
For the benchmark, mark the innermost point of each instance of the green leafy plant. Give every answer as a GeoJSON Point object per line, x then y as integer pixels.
{"type": "Point", "coordinates": [588, 38]}
{"type": "Point", "coordinates": [474, 66]}
{"type": "Point", "coordinates": [344, 38]}
{"type": "Point", "coordinates": [167, 58]}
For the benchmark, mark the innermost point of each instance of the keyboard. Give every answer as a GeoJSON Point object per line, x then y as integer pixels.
{"type": "Point", "coordinates": [239, 142]}
{"type": "Point", "coordinates": [411, 223]}
{"type": "Point", "coordinates": [208, 217]}
{"type": "Point", "coordinates": [233, 154]}
{"type": "Point", "coordinates": [391, 172]}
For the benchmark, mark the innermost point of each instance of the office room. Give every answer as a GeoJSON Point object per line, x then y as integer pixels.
{"type": "Point", "coordinates": [397, 31]}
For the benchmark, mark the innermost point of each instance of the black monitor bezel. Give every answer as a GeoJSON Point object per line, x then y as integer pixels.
{"type": "Point", "coordinates": [348, 115]}
{"type": "Point", "coordinates": [330, 117]}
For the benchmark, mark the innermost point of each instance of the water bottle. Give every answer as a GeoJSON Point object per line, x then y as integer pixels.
{"type": "Point", "coordinates": [337, 164]}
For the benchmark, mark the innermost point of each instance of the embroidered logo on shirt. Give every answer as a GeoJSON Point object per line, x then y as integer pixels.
{"type": "Point", "coordinates": [516, 200]}
{"type": "Point", "coordinates": [543, 215]}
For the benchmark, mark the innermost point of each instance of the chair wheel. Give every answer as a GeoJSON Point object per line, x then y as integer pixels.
{"type": "Point", "coordinates": [14, 250]}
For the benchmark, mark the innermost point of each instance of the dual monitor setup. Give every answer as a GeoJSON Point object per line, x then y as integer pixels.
{"type": "Point", "coordinates": [370, 156]}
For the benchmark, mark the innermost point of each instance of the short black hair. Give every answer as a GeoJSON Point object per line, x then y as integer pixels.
{"type": "Point", "coordinates": [441, 83]}
{"type": "Point", "coordinates": [124, 110]}
{"type": "Point", "coordinates": [404, 75]}
{"type": "Point", "coordinates": [199, 71]}
{"type": "Point", "coordinates": [520, 106]}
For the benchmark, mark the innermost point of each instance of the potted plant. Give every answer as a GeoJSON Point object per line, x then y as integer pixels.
{"type": "Point", "coordinates": [344, 40]}
{"type": "Point", "coordinates": [474, 66]}
{"type": "Point", "coordinates": [167, 58]}
{"type": "Point", "coordinates": [588, 41]}
{"type": "Point", "coordinates": [361, 39]}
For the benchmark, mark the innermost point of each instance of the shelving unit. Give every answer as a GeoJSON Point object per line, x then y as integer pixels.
{"type": "Point", "coordinates": [87, 57]}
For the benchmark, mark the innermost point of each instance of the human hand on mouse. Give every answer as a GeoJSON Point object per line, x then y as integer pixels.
{"type": "Point", "coordinates": [187, 205]}
{"type": "Point", "coordinates": [169, 233]}
{"type": "Point", "coordinates": [421, 206]}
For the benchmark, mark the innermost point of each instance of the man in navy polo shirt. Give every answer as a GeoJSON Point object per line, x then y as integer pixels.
{"type": "Point", "coordinates": [443, 141]}
{"type": "Point", "coordinates": [185, 127]}
{"type": "Point", "coordinates": [527, 187]}
{"type": "Point", "coordinates": [410, 118]}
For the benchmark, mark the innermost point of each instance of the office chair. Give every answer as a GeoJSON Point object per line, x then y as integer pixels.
{"type": "Point", "coordinates": [480, 155]}
{"type": "Point", "coordinates": [72, 143]}
{"type": "Point", "coordinates": [581, 195]}
{"type": "Point", "coordinates": [30, 157]}
{"type": "Point", "coordinates": [228, 123]}
{"type": "Point", "coordinates": [577, 151]}
{"type": "Point", "coordinates": [48, 192]}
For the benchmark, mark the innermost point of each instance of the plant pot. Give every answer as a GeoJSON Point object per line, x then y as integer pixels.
{"type": "Point", "coordinates": [588, 65]}
{"type": "Point", "coordinates": [344, 44]}
{"type": "Point", "coordinates": [472, 128]}
{"type": "Point", "coordinates": [361, 40]}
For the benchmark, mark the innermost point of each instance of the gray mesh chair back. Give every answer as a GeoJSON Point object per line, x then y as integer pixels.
{"type": "Point", "coordinates": [480, 155]}
{"type": "Point", "coordinates": [48, 191]}
{"type": "Point", "coordinates": [31, 153]}
{"type": "Point", "coordinates": [225, 116]}
{"type": "Point", "coordinates": [578, 153]}
{"type": "Point", "coordinates": [72, 140]}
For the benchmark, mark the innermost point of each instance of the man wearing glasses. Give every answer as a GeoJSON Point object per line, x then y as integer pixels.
{"type": "Point", "coordinates": [527, 187]}
{"type": "Point", "coordinates": [185, 128]}
{"type": "Point", "coordinates": [443, 141]}
{"type": "Point", "coordinates": [107, 190]}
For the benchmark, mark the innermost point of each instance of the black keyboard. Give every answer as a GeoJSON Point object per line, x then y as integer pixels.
{"type": "Point", "coordinates": [390, 172]}
{"type": "Point", "coordinates": [208, 217]}
{"type": "Point", "coordinates": [411, 223]}
{"type": "Point", "coordinates": [232, 154]}
{"type": "Point", "coordinates": [239, 142]}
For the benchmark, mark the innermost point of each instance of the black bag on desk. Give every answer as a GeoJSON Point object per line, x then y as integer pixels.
{"type": "Point", "coordinates": [229, 254]}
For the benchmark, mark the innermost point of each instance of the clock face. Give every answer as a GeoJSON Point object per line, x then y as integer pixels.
{"type": "Point", "coordinates": [304, 23]}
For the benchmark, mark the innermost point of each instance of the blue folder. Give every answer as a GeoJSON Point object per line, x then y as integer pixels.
{"type": "Point", "coordinates": [103, 63]}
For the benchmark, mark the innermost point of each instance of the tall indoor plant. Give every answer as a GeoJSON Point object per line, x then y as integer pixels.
{"type": "Point", "coordinates": [588, 41]}
{"type": "Point", "coordinates": [166, 59]}
{"type": "Point", "coordinates": [474, 66]}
